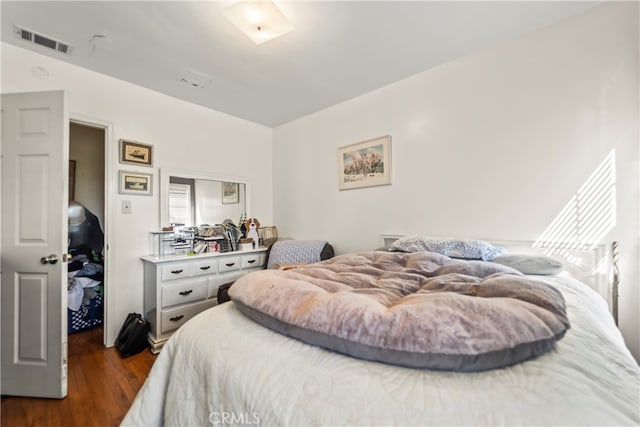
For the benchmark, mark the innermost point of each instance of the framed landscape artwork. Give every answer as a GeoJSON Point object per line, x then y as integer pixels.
{"type": "Point", "coordinates": [365, 164]}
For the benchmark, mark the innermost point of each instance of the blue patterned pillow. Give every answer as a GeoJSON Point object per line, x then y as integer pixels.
{"type": "Point", "coordinates": [454, 248]}
{"type": "Point", "coordinates": [296, 252]}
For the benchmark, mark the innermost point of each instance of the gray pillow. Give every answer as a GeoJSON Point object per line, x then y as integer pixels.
{"type": "Point", "coordinates": [531, 264]}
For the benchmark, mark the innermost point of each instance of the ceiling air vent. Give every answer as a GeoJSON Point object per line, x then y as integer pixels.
{"type": "Point", "coordinates": [39, 39]}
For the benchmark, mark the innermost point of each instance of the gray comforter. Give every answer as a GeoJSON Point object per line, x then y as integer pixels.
{"type": "Point", "coordinates": [420, 310]}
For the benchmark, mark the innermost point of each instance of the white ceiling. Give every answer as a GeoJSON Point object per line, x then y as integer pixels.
{"type": "Point", "coordinates": [338, 50]}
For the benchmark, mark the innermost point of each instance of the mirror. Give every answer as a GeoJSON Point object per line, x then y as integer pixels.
{"type": "Point", "coordinates": [196, 198]}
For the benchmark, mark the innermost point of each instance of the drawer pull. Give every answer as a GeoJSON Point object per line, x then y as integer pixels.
{"type": "Point", "coordinates": [183, 293]}
{"type": "Point", "coordinates": [251, 261]}
{"type": "Point", "coordinates": [230, 264]}
{"type": "Point", "coordinates": [177, 318]}
{"type": "Point", "coordinates": [177, 271]}
{"type": "Point", "coordinates": [205, 267]}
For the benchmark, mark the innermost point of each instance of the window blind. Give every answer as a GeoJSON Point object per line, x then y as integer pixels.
{"type": "Point", "coordinates": [179, 203]}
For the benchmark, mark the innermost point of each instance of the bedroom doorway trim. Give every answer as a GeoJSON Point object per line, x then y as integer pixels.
{"type": "Point", "coordinates": [110, 188]}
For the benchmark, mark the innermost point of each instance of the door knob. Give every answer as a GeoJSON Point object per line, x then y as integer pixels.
{"type": "Point", "coordinates": [51, 259]}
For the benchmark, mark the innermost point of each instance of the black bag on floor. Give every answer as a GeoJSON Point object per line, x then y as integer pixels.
{"type": "Point", "coordinates": [132, 338]}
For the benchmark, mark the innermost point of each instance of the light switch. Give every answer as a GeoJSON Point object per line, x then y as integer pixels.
{"type": "Point", "coordinates": [126, 206]}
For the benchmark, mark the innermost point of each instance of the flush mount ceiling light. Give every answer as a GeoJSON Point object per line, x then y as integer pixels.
{"type": "Point", "coordinates": [260, 20]}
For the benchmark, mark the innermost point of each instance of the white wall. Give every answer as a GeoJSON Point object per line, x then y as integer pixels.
{"type": "Point", "coordinates": [86, 147]}
{"type": "Point", "coordinates": [184, 136]}
{"type": "Point", "coordinates": [492, 145]}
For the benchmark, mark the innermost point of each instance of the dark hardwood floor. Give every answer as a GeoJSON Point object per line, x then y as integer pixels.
{"type": "Point", "coordinates": [101, 388]}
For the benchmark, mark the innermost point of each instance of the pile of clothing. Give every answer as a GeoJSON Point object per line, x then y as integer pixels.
{"type": "Point", "coordinates": [85, 277]}
{"type": "Point", "coordinates": [85, 270]}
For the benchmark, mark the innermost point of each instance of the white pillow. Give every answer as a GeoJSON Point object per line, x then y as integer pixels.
{"type": "Point", "coordinates": [531, 263]}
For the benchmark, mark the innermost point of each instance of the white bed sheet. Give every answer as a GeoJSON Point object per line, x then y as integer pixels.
{"type": "Point", "coordinates": [222, 368]}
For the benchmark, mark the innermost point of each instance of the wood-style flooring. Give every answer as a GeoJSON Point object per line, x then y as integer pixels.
{"type": "Point", "coordinates": [101, 388]}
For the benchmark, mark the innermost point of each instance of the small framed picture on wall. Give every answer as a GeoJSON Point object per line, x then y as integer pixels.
{"type": "Point", "coordinates": [135, 183]}
{"type": "Point", "coordinates": [136, 153]}
{"type": "Point", "coordinates": [72, 180]}
{"type": "Point", "coordinates": [230, 193]}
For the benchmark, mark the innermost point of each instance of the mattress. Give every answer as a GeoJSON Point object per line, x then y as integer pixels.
{"type": "Point", "coordinates": [223, 368]}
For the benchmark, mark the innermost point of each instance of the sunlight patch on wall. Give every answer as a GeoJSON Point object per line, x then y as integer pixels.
{"type": "Point", "coordinates": [587, 218]}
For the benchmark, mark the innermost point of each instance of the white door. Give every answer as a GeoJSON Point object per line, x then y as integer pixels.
{"type": "Point", "coordinates": [33, 298]}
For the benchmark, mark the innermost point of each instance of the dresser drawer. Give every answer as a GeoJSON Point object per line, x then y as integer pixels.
{"type": "Point", "coordinates": [175, 270]}
{"type": "Point", "coordinates": [182, 293]}
{"type": "Point", "coordinates": [173, 319]}
{"type": "Point", "coordinates": [252, 261]}
{"type": "Point", "coordinates": [229, 264]}
{"type": "Point", "coordinates": [178, 287]}
{"type": "Point", "coordinates": [205, 266]}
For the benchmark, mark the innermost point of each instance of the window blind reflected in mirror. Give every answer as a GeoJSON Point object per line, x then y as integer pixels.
{"type": "Point", "coordinates": [180, 211]}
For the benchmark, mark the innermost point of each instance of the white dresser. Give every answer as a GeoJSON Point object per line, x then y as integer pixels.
{"type": "Point", "coordinates": [177, 287]}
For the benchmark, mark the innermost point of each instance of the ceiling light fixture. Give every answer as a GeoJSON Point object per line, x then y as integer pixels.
{"type": "Point", "coordinates": [260, 20]}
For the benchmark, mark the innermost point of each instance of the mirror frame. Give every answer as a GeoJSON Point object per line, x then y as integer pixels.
{"type": "Point", "coordinates": [165, 173]}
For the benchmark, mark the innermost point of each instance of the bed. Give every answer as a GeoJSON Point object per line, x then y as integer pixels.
{"type": "Point", "coordinates": [224, 368]}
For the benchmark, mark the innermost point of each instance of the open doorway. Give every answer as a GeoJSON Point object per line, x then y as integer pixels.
{"type": "Point", "coordinates": [87, 281]}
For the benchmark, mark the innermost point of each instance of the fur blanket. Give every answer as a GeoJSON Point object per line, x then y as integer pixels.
{"type": "Point", "coordinates": [420, 310]}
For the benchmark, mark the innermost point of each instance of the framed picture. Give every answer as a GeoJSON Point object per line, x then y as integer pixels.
{"type": "Point", "coordinates": [365, 163]}
{"type": "Point", "coordinates": [72, 180]}
{"type": "Point", "coordinates": [135, 153]}
{"type": "Point", "coordinates": [230, 193]}
{"type": "Point", "coordinates": [135, 183]}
